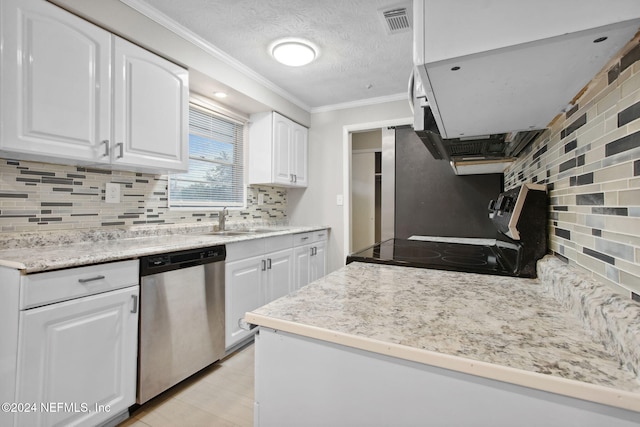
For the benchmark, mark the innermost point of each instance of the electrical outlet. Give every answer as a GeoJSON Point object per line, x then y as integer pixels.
{"type": "Point", "coordinates": [260, 198]}
{"type": "Point", "coordinates": [112, 193]}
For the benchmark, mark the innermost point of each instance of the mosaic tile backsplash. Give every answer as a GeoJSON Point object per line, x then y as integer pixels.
{"type": "Point", "coordinates": [590, 160]}
{"type": "Point", "coordinates": [43, 197]}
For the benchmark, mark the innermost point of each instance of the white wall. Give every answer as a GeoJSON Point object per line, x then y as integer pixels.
{"type": "Point", "coordinates": [317, 204]}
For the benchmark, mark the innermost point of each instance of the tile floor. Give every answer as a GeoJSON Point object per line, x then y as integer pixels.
{"type": "Point", "coordinates": [220, 395]}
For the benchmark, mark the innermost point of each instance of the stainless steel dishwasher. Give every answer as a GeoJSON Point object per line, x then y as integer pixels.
{"type": "Point", "coordinates": [181, 317]}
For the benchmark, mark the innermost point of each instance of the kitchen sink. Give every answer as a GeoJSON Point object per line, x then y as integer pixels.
{"type": "Point", "coordinates": [230, 233]}
{"type": "Point", "coordinates": [241, 232]}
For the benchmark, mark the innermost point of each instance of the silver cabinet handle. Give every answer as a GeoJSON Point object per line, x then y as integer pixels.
{"type": "Point", "coordinates": [269, 264]}
{"type": "Point", "coordinates": [134, 309]}
{"type": "Point", "coordinates": [90, 279]}
{"type": "Point", "coordinates": [120, 146]}
{"type": "Point", "coordinates": [295, 178]}
{"type": "Point", "coordinates": [290, 177]}
{"type": "Point", "coordinates": [264, 265]}
{"type": "Point", "coordinates": [106, 148]}
{"type": "Point", "coordinates": [304, 238]}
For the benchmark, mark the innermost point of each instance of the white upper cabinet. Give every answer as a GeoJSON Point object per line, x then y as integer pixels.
{"type": "Point", "coordinates": [497, 66]}
{"type": "Point", "coordinates": [277, 151]}
{"type": "Point", "coordinates": [299, 156]}
{"type": "Point", "coordinates": [73, 93]}
{"type": "Point", "coordinates": [56, 88]}
{"type": "Point", "coordinates": [151, 110]}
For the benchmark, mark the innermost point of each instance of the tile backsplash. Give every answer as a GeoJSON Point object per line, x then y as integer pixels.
{"type": "Point", "coordinates": [590, 160]}
{"type": "Point", "coordinates": [42, 197]}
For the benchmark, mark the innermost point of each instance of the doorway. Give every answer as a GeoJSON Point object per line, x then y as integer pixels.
{"type": "Point", "coordinates": [387, 180]}
{"type": "Point", "coordinates": [371, 187]}
{"type": "Point", "coordinates": [366, 180]}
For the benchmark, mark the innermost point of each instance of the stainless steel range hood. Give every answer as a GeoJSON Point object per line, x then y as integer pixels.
{"type": "Point", "coordinates": [483, 153]}
{"type": "Point", "coordinates": [495, 148]}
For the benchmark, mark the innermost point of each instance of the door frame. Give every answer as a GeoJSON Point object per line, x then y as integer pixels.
{"type": "Point", "coordinates": [347, 131]}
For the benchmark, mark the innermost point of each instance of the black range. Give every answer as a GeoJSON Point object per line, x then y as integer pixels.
{"type": "Point", "coordinates": [520, 217]}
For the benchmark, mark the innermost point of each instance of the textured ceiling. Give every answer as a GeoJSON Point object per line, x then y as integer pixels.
{"type": "Point", "coordinates": [358, 59]}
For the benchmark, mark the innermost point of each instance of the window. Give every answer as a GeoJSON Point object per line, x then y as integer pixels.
{"type": "Point", "coordinates": [216, 163]}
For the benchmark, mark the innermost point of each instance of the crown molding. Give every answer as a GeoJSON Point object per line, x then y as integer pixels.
{"type": "Point", "coordinates": [168, 23]}
{"type": "Point", "coordinates": [360, 103]}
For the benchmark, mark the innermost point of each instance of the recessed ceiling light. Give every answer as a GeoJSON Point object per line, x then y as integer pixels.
{"type": "Point", "coordinates": [293, 52]}
{"type": "Point", "coordinates": [220, 95]}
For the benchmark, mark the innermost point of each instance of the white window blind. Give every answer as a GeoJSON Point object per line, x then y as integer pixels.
{"type": "Point", "coordinates": [216, 163]}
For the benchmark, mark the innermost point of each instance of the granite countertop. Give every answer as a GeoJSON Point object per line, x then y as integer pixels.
{"type": "Point", "coordinates": [35, 252]}
{"type": "Point", "coordinates": [504, 328]}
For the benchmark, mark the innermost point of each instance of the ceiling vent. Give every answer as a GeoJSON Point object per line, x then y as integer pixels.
{"type": "Point", "coordinates": [397, 19]}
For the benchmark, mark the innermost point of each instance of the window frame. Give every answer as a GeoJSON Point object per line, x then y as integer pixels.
{"type": "Point", "coordinates": [208, 106]}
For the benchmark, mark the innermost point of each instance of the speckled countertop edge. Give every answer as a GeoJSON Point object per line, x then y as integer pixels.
{"type": "Point", "coordinates": [580, 390]}
{"type": "Point", "coordinates": [283, 316]}
{"type": "Point", "coordinates": [115, 245]}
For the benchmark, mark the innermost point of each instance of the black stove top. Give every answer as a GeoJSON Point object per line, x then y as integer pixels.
{"type": "Point", "coordinates": [520, 217]}
{"type": "Point", "coordinates": [498, 259]}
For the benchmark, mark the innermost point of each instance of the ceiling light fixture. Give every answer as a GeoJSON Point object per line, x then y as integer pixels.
{"type": "Point", "coordinates": [293, 52]}
{"type": "Point", "coordinates": [220, 95]}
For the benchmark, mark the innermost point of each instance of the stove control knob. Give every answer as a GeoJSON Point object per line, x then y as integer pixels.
{"type": "Point", "coordinates": [508, 204]}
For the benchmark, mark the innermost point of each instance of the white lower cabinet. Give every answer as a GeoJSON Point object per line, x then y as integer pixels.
{"type": "Point", "coordinates": [278, 274]}
{"type": "Point", "coordinates": [77, 359]}
{"type": "Point", "coordinates": [262, 270]}
{"type": "Point", "coordinates": [257, 272]}
{"type": "Point", "coordinates": [243, 283]}
{"type": "Point", "coordinates": [310, 255]}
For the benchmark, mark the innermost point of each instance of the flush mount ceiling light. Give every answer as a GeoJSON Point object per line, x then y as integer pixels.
{"type": "Point", "coordinates": [220, 94]}
{"type": "Point", "coordinates": [293, 52]}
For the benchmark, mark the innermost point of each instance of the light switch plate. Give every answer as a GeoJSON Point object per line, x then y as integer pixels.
{"type": "Point", "coordinates": [339, 200]}
{"type": "Point", "coordinates": [112, 193]}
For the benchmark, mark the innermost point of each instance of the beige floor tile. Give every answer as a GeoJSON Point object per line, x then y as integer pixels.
{"type": "Point", "coordinates": [218, 396]}
{"type": "Point", "coordinates": [175, 412]}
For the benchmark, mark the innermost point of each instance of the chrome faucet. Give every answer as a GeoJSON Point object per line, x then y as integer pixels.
{"type": "Point", "coordinates": [222, 216]}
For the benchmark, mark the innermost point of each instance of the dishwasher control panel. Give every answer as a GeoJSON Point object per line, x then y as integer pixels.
{"type": "Point", "coordinates": [153, 264]}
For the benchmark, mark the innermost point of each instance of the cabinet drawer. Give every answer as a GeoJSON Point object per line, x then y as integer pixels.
{"type": "Point", "coordinates": [310, 237]}
{"type": "Point", "coordinates": [302, 238]}
{"type": "Point", "coordinates": [320, 235]}
{"type": "Point", "coordinates": [245, 249]}
{"type": "Point", "coordinates": [52, 286]}
{"type": "Point", "coordinates": [278, 243]}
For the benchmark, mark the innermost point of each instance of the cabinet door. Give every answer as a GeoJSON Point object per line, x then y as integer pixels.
{"type": "Point", "coordinates": [243, 292]}
{"type": "Point", "coordinates": [282, 150]}
{"type": "Point", "coordinates": [301, 256]}
{"type": "Point", "coordinates": [318, 261]}
{"type": "Point", "coordinates": [81, 353]}
{"type": "Point", "coordinates": [279, 274]}
{"type": "Point", "coordinates": [55, 84]}
{"type": "Point", "coordinates": [151, 110]}
{"type": "Point", "coordinates": [299, 145]}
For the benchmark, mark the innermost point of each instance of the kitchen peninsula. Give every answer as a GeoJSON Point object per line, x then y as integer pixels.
{"type": "Point", "coordinates": [374, 344]}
